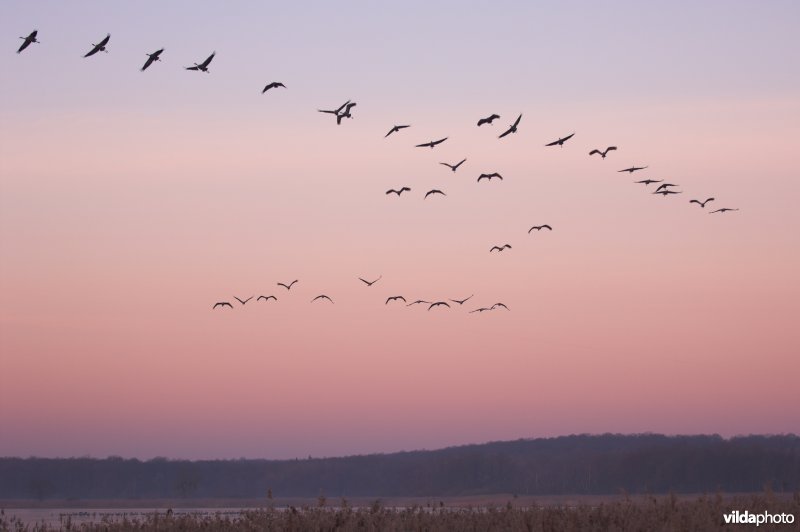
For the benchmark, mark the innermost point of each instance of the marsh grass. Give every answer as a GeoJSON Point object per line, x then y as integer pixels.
{"type": "Point", "coordinates": [649, 513]}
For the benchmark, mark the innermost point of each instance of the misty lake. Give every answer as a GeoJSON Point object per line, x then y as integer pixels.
{"type": "Point", "coordinates": [57, 516]}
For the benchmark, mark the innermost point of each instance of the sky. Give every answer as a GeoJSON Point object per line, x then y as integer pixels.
{"type": "Point", "coordinates": [131, 202]}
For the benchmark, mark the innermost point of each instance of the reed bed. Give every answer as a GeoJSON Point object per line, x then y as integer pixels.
{"type": "Point", "coordinates": [650, 513]}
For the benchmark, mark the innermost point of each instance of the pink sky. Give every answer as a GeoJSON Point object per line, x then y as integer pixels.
{"type": "Point", "coordinates": [131, 202]}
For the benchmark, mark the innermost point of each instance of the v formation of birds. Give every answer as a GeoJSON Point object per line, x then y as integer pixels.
{"type": "Point", "coordinates": [345, 111]}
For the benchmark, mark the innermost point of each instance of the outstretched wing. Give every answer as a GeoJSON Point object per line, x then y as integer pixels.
{"type": "Point", "coordinates": [554, 143]}
{"type": "Point", "coordinates": [147, 63]}
{"type": "Point", "coordinates": [205, 63]}
{"type": "Point", "coordinates": [595, 151]}
{"type": "Point", "coordinates": [105, 41]}
{"type": "Point", "coordinates": [509, 130]}
{"type": "Point", "coordinates": [93, 51]}
{"type": "Point", "coordinates": [193, 68]}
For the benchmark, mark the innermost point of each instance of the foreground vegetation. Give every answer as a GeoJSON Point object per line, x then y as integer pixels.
{"type": "Point", "coordinates": [650, 513]}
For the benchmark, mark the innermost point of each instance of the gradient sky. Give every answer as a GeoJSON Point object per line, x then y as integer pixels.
{"type": "Point", "coordinates": [131, 202]}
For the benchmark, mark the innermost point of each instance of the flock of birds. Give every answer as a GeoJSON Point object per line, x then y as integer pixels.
{"type": "Point", "coordinates": [345, 111]}
{"type": "Point", "coordinates": [390, 299]}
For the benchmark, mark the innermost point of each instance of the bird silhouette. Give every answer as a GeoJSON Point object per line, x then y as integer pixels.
{"type": "Point", "coordinates": [368, 283]}
{"type": "Point", "coordinates": [724, 209]}
{"type": "Point", "coordinates": [418, 301]}
{"type": "Point", "coordinates": [28, 40]}
{"type": "Point", "coordinates": [345, 113]}
{"type": "Point", "coordinates": [539, 228]}
{"type": "Point", "coordinates": [322, 296]}
{"type": "Point", "coordinates": [287, 286]}
{"type": "Point", "coordinates": [434, 191]}
{"type": "Point", "coordinates": [489, 176]}
{"type": "Point", "coordinates": [603, 153]}
{"type": "Point", "coordinates": [151, 58]}
{"type": "Point", "coordinates": [266, 298]}
{"type": "Point", "coordinates": [482, 309]}
{"type": "Point", "coordinates": [701, 203]}
{"type": "Point", "coordinates": [664, 186]}
{"type": "Point", "coordinates": [561, 141]}
{"type": "Point", "coordinates": [454, 167]}
{"type": "Point", "coordinates": [462, 301]}
{"type": "Point", "coordinates": [222, 304]}
{"type": "Point", "coordinates": [432, 144]}
{"type": "Point", "coordinates": [241, 301]}
{"type": "Point", "coordinates": [394, 298]}
{"type": "Point", "coordinates": [438, 303]}
{"type": "Point", "coordinates": [337, 111]}
{"type": "Point", "coordinates": [395, 129]}
{"type": "Point", "coordinates": [487, 120]}
{"type": "Point", "coordinates": [667, 192]}
{"type": "Point", "coordinates": [648, 181]}
{"type": "Point", "coordinates": [512, 128]}
{"type": "Point", "coordinates": [398, 192]}
{"type": "Point", "coordinates": [498, 305]}
{"type": "Point", "coordinates": [273, 85]}
{"type": "Point", "coordinates": [632, 169]}
{"type": "Point", "coordinates": [203, 67]}
{"type": "Point", "coordinates": [99, 47]}
{"type": "Point", "coordinates": [500, 248]}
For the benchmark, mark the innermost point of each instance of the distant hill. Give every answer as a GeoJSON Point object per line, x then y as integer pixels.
{"type": "Point", "coordinates": [584, 464]}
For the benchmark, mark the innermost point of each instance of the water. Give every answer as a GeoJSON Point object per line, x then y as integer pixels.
{"type": "Point", "coordinates": [57, 516]}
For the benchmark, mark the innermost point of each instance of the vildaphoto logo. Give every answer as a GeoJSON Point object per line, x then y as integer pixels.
{"type": "Point", "coordinates": [747, 518]}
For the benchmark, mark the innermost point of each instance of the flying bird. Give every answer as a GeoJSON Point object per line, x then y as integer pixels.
{"type": "Point", "coordinates": [368, 283]}
{"type": "Point", "coordinates": [482, 309]}
{"type": "Point", "coordinates": [418, 301]}
{"type": "Point", "coordinates": [603, 153]}
{"type": "Point", "coordinates": [395, 129]}
{"type": "Point", "coordinates": [539, 228]}
{"type": "Point", "coordinates": [222, 304]}
{"type": "Point", "coordinates": [438, 303]}
{"type": "Point", "coordinates": [28, 40]}
{"type": "Point", "coordinates": [99, 47]}
{"type": "Point", "coordinates": [632, 169]}
{"type": "Point", "coordinates": [667, 192]}
{"type": "Point", "coordinates": [500, 248]}
{"type": "Point", "coordinates": [395, 298]}
{"type": "Point", "coordinates": [701, 203]}
{"type": "Point", "coordinates": [724, 209]}
{"type": "Point", "coordinates": [561, 141]}
{"type": "Point", "coordinates": [266, 298]}
{"type": "Point", "coordinates": [498, 305]}
{"type": "Point", "coordinates": [434, 191]}
{"type": "Point", "coordinates": [648, 181]}
{"type": "Point", "coordinates": [398, 192]}
{"type": "Point", "coordinates": [155, 56]}
{"type": "Point", "coordinates": [345, 113]}
{"type": "Point", "coordinates": [432, 144]}
{"type": "Point", "coordinates": [287, 286]}
{"type": "Point", "coordinates": [243, 302]}
{"type": "Point", "coordinates": [487, 120]}
{"type": "Point", "coordinates": [273, 85]}
{"type": "Point", "coordinates": [204, 65]}
{"type": "Point", "coordinates": [454, 167]}
{"type": "Point", "coordinates": [322, 296]}
{"type": "Point", "coordinates": [337, 111]}
{"type": "Point", "coordinates": [462, 301]}
{"type": "Point", "coordinates": [512, 128]}
{"type": "Point", "coordinates": [664, 186]}
{"type": "Point", "coordinates": [489, 176]}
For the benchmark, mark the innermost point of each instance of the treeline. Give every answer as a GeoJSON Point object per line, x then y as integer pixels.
{"type": "Point", "coordinates": [604, 464]}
